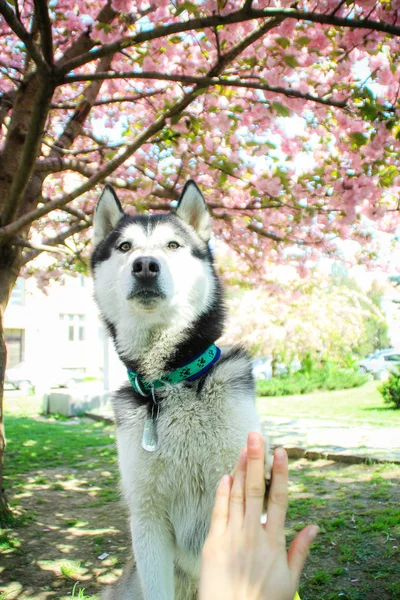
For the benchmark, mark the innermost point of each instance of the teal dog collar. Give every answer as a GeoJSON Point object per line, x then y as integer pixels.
{"type": "Point", "coordinates": [187, 372]}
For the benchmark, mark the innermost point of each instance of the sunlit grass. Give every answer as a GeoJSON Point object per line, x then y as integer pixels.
{"type": "Point", "coordinates": [355, 506]}
{"type": "Point", "coordinates": [358, 405]}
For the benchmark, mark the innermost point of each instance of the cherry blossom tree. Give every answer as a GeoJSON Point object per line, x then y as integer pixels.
{"type": "Point", "coordinates": [286, 113]}
{"type": "Point", "coordinates": [310, 318]}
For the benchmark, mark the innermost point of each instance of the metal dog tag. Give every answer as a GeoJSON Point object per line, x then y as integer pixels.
{"type": "Point", "coordinates": [150, 437]}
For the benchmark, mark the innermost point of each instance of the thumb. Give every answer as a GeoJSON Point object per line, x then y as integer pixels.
{"type": "Point", "coordinates": [299, 548]}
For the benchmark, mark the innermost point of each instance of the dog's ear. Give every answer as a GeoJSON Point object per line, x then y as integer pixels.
{"type": "Point", "coordinates": [108, 213]}
{"type": "Point", "coordinates": [193, 210]}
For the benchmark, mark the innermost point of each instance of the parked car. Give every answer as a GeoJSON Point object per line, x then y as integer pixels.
{"type": "Point", "coordinates": [25, 378]}
{"type": "Point", "coordinates": [380, 363]}
{"type": "Point", "coordinates": [262, 367]}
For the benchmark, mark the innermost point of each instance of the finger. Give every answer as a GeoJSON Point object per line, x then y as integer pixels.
{"type": "Point", "coordinates": [278, 495]}
{"type": "Point", "coordinates": [255, 479]}
{"type": "Point", "coordinates": [237, 499]}
{"type": "Point", "coordinates": [299, 549]}
{"type": "Point", "coordinates": [220, 513]}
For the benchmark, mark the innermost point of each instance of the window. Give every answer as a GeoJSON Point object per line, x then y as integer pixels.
{"type": "Point", "coordinates": [393, 357]}
{"type": "Point", "coordinates": [18, 294]}
{"type": "Point", "coordinates": [15, 346]}
{"type": "Point", "coordinates": [75, 326]}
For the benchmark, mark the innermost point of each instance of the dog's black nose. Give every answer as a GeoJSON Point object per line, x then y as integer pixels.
{"type": "Point", "coordinates": [146, 267]}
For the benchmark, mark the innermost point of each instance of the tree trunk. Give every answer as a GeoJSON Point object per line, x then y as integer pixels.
{"type": "Point", "coordinates": [9, 269]}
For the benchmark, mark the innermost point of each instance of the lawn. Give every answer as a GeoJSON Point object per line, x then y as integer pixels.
{"type": "Point", "coordinates": [357, 405]}
{"type": "Point", "coordinates": [71, 534]}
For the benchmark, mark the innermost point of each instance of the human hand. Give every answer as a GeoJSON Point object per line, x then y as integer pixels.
{"type": "Point", "coordinates": [243, 559]}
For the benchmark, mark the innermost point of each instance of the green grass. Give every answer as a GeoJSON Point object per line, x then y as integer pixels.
{"type": "Point", "coordinates": [66, 471]}
{"type": "Point", "coordinates": [79, 593]}
{"type": "Point", "coordinates": [40, 443]}
{"type": "Point", "coordinates": [358, 405]}
{"type": "Point", "coordinates": [356, 552]}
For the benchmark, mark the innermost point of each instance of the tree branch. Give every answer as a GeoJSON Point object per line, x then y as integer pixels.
{"type": "Point", "coordinates": [30, 148]}
{"type": "Point", "coordinates": [338, 7]}
{"type": "Point", "coordinates": [231, 18]}
{"type": "Point", "coordinates": [40, 247]}
{"type": "Point", "coordinates": [53, 241]}
{"type": "Point", "coordinates": [74, 126]}
{"type": "Point", "coordinates": [6, 103]}
{"type": "Point", "coordinates": [267, 234]}
{"type": "Point", "coordinates": [56, 165]}
{"type": "Point", "coordinates": [207, 82]}
{"type": "Point", "coordinates": [79, 214]}
{"type": "Point", "coordinates": [44, 24]}
{"type": "Point", "coordinates": [147, 134]}
{"type": "Point", "coordinates": [17, 27]}
{"type": "Point", "coordinates": [72, 105]}
{"type": "Point", "coordinates": [99, 148]}
{"type": "Point", "coordinates": [84, 42]}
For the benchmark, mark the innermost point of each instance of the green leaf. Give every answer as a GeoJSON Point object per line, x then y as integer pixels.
{"type": "Point", "coordinates": [175, 39]}
{"type": "Point", "coordinates": [252, 61]}
{"type": "Point", "coordinates": [280, 109]}
{"type": "Point", "coordinates": [387, 175]}
{"type": "Point", "coordinates": [291, 61]}
{"type": "Point", "coordinates": [222, 178]}
{"type": "Point", "coordinates": [358, 139]}
{"type": "Point", "coordinates": [368, 112]}
{"type": "Point", "coordinates": [190, 7]}
{"type": "Point", "coordinates": [367, 93]}
{"type": "Point", "coordinates": [283, 42]}
{"type": "Point", "coordinates": [302, 41]}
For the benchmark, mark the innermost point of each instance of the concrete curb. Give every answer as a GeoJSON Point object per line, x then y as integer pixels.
{"type": "Point", "coordinates": [350, 459]}
{"type": "Point", "coordinates": [95, 417]}
{"type": "Point", "coordinates": [296, 453]}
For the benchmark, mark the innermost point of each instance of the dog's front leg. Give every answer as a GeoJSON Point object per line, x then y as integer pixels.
{"type": "Point", "coordinates": [154, 554]}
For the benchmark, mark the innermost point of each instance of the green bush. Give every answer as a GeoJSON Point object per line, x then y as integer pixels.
{"type": "Point", "coordinates": [390, 389]}
{"type": "Point", "coordinates": [326, 377]}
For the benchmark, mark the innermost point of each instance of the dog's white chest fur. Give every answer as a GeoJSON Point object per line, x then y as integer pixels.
{"type": "Point", "coordinates": [200, 437]}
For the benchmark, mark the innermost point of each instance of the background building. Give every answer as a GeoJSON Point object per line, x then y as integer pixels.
{"type": "Point", "coordinates": [59, 329]}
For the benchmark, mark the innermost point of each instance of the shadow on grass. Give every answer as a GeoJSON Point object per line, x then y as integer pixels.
{"type": "Point", "coordinates": [69, 496]}
{"type": "Point", "coordinates": [381, 409]}
{"type": "Point", "coordinates": [62, 478]}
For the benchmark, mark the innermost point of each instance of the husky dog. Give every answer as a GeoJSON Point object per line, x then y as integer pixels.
{"type": "Point", "coordinates": [186, 413]}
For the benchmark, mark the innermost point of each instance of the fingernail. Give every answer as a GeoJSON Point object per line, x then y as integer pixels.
{"type": "Point", "coordinates": [280, 454]}
{"type": "Point", "coordinates": [253, 440]}
{"type": "Point", "coordinates": [313, 532]}
{"type": "Point", "coordinates": [224, 483]}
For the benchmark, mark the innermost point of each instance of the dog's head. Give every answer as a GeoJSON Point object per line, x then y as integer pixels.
{"type": "Point", "coordinates": [157, 268]}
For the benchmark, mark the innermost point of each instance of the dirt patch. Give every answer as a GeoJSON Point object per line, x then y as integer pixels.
{"type": "Point", "coordinates": [73, 520]}
{"type": "Point", "coordinates": [356, 555]}
{"type": "Point", "coordinates": [76, 531]}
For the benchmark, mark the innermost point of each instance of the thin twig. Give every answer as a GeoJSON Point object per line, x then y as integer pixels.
{"type": "Point", "coordinates": [44, 24]}
{"type": "Point", "coordinates": [17, 27]}
{"type": "Point", "coordinates": [231, 18]}
{"type": "Point", "coordinates": [206, 82]}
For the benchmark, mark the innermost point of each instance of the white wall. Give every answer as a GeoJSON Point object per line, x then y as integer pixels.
{"type": "Point", "coordinates": [47, 343]}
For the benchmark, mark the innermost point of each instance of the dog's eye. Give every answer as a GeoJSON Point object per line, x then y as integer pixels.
{"type": "Point", "coordinates": [173, 245]}
{"type": "Point", "coordinates": [125, 246]}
